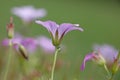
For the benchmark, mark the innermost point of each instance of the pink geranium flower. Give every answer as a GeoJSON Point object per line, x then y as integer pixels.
{"type": "Point", "coordinates": [104, 54]}
{"type": "Point", "coordinates": [28, 43]}
{"type": "Point", "coordinates": [28, 13]}
{"type": "Point", "coordinates": [58, 31]}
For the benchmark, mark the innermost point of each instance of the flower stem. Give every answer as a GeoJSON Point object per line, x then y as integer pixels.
{"type": "Point", "coordinates": [54, 62]}
{"type": "Point", "coordinates": [8, 63]}
{"type": "Point", "coordinates": [111, 78]}
{"type": "Point", "coordinates": [109, 75]}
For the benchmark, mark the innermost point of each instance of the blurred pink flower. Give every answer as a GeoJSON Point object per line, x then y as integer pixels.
{"type": "Point", "coordinates": [28, 43]}
{"type": "Point", "coordinates": [28, 13]}
{"type": "Point", "coordinates": [16, 40]}
{"type": "Point", "coordinates": [45, 44]}
{"type": "Point", "coordinates": [108, 52]}
{"type": "Point", "coordinates": [58, 31]}
{"type": "Point", "coordinates": [104, 54]}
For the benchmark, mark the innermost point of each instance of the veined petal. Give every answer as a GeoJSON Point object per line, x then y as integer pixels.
{"type": "Point", "coordinates": [50, 26]}
{"type": "Point", "coordinates": [67, 27]}
{"type": "Point", "coordinates": [87, 58]}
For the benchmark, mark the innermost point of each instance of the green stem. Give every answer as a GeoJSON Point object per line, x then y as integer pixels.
{"type": "Point", "coordinates": [54, 62]}
{"type": "Point", "coordinates": [111, 78]}
{"type": "Point", "coordinates": [109, 75]}
{"type": "Point", "coordinates": [8, 63]}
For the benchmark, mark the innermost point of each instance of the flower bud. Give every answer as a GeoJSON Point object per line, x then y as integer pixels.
{"type": "Point", "coordinates": [23, 51]}
{"type": "Point", "coordinates": [10, 29]}
{"type": "Point", "coordinates": [115, 66]}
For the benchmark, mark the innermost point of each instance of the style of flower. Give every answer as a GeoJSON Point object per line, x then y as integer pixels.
{"type": "Point", "coordinates": [28, 13]}
{"type": "Point", "coordinates": [104, 54]}
{"type": "Point", "coordinates": [45, 44]}
{"type": "Point", "coordinates": [58, 31]}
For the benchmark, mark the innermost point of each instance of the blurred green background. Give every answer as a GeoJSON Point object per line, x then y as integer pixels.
{"type": "Point", "coordinates": [100, 20]}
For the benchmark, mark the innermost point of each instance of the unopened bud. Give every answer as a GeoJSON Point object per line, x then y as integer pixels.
{"type": "Point", "coordinates": [23, 51]}
{"type": "Point", "coordinates": [115, 66]}
{"type": "Point", "coordinates": [10, 29]}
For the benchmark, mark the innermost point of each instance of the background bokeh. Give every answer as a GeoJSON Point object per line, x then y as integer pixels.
{"type": "Point", "coordinates": [100, 20]}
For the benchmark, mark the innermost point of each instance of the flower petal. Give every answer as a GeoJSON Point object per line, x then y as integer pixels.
{"type": "Point", "coordinates": [25, 12]}
{"type": "Point", "coordinates": [5, 42]}
{"type": "Point", "coordinates": [29, 44]}
{"type": "Point", "coordinates": [28, 13]}
{"type": "Point", "coordinates": [46, 44]}
{"type": "Point", "coordinates": [67, 27]}
{"type": "Point", "coordinates": [108, 52]}
{"type": "Point", "coordinates": [40, 13]}
{"type": "Point", "coordinates": [50, 26]}
{"type": "Point", "coordinates": [87, 58]}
